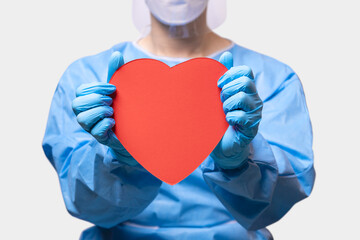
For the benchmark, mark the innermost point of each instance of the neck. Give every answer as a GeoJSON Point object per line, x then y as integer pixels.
{"type": "Point", "coordinates": [172, 42]}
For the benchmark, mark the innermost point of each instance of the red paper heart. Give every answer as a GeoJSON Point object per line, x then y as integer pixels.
{"type": "Point", "coordinates": [169, 119]}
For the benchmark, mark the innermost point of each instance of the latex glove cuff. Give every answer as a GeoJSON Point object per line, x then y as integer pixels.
{"type": "Point", "coordinates": [119, 152]}
{"type": "Point", "coordinates": [128, 160]}
{"type": "Point", "coordinates": [230, 162]}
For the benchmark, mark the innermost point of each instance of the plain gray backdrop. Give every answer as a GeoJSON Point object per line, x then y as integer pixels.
{"type": "Point", "coordinates": [39, 39]}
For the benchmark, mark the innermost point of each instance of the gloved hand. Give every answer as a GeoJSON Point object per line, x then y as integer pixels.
{"type": "Point", "coordinates": [93, 111]}
{"type": "Point", "coordinates": [242, 107]}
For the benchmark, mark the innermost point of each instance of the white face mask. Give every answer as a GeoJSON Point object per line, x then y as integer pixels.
{"type": "Point", "coordinates": [176, 12]}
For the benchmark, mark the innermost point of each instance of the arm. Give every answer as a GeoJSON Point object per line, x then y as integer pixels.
{"type": "Point", "coordinates": [278, 172]}
{"type": "Point", "coordinates": [96, 184]}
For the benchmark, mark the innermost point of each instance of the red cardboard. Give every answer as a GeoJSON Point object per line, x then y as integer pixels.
{"type": "Point", "coordinates": [169, 119]}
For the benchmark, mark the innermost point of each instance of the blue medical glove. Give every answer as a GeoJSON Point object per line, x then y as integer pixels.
{"type": "Point", "coordinates": [242, 106]}
{"type": "Point", "coordinates": [93, 111]}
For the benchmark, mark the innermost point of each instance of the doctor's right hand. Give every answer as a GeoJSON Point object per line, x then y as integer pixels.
{"type": "Point", "coordinates": [94, 113]}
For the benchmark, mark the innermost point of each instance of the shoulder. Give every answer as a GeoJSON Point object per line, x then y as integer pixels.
{"type": "Point", "coordinates": [270, 74]}
{"type": "Point", "coordinates": [91, 68]}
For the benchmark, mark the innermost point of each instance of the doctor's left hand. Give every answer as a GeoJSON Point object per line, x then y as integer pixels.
{"type": "Point", "coordinates": [242, 106]}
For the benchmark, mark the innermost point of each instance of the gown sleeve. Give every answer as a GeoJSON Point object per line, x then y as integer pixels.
{"type": "Point", "coordinates": [279, 171]}
{"type": "Point", "coordinates": [96, 187]}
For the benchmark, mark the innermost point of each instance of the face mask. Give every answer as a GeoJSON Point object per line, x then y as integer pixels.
{"type": "Point", "coordinates": [176, 12]}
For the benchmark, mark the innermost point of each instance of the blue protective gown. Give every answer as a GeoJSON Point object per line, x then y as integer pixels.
{"type": "Point", "coordinates": [129, 203]}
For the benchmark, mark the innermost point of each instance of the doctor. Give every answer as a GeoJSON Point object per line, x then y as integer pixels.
{"type": "Point", "coordinates": [262, 166]}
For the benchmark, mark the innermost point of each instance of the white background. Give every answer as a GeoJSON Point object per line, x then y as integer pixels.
{"type": "Point", "coordinates": [39, 39]}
